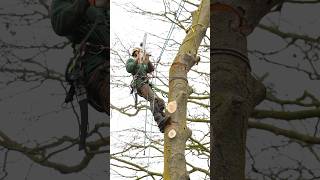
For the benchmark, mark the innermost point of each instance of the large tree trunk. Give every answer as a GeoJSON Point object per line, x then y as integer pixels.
{"type": "Point", "coordinates": [179, 90]}
{"type": "Point", "coordinates": [235, 92]}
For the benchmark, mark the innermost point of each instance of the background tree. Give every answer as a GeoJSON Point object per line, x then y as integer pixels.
{"type": "Point", "coordinates": [39, 135]}
{"type": "Point", "coordinates": [282, 141]}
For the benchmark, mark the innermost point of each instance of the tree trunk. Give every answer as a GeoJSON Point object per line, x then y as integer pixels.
{"type": "Point", "coordinates": [179, 90]}
{"type": "Point", "coordinates": [235, 92]}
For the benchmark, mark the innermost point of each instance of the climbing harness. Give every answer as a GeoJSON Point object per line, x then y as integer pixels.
{"type": "Point", "coordinates": [136, 76]}
{"type": "Point", "coordinates": [75, 77]}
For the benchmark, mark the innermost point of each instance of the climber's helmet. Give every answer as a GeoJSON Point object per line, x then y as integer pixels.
{"type": "Point", "coordinates": [135, 51]}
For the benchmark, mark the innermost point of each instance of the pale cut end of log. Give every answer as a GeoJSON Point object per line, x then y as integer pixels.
{"type": "Point", "coordinates": [172, 106]}
{"type": "Point", "coordinates": [172, 133]}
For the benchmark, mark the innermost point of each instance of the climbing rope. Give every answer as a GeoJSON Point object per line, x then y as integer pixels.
{"type": "Point", "coordinates": [180, 7]}
{"type": "Point", "coordinates": [154, 81]}
{"type": "Point", "coordinates": [179, 10]}
{"type": "Point", "coordinates": [156, 72]}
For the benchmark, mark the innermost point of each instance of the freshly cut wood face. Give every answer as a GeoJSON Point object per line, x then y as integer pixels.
{"type": "Point", "coordinates": [172, 133]}
{"type": "Point", "coordinates": [172, 106]}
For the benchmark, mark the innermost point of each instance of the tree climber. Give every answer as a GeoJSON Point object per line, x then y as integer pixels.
{"type": "Point", "coordinates": [86, 24]}
{"type": "Point", "coordinates": [139, 66]}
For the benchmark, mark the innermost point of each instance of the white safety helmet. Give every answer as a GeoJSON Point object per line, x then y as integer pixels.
{"type": "Point", "coordinates": [135, 50]}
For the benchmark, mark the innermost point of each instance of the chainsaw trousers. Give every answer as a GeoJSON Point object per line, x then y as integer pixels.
{"type": "Point", "coordinates": [98, 88]}
{"type": "Point", "coordinates": [157, 104]}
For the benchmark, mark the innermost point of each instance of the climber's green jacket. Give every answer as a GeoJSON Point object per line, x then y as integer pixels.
{"type": "Point", "coordinates": [139, 72]}
{"type": "Point", "coordinates": [74, 19]}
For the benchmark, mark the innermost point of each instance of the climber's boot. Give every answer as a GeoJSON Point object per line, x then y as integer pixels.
{"type": "Point", "coordinates": [162, 121]}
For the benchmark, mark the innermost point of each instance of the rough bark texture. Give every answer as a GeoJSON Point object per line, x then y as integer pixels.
{"type": "Point", "coordinates": [234, 91]}
{"type": "Point", "coordinates": [179, 90]}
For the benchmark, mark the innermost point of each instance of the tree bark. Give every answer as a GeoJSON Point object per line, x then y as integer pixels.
{"type": "Point", "coordinates": [235, 92]}
{"type": "Point", "coordinates": [179, 90]}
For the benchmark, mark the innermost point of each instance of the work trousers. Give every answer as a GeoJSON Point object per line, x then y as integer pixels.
{"type": "Point", "coordinates": [98, 90]}
{"type": "Point", "coordinates": [157, 104]}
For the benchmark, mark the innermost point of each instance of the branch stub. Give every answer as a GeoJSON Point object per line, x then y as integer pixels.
{"type": "Point", "coordinates": [172, 133]}
{"type": "Point", "coordinates": [172, 106]}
